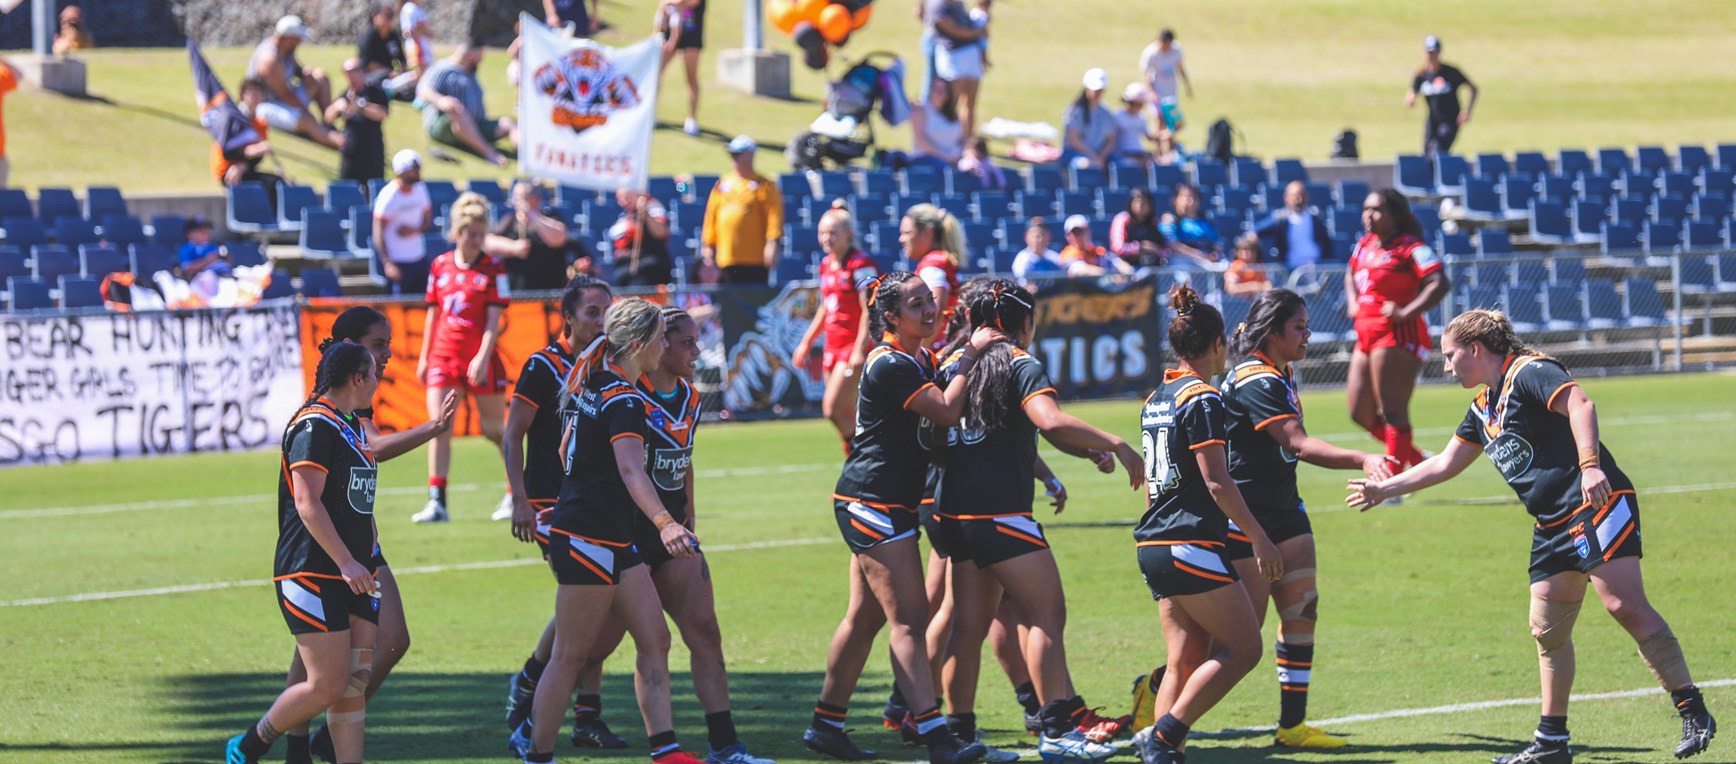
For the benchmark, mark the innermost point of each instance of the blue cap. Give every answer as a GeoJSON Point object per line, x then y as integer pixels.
{"type": "Point", "coordinates": [742, 144]}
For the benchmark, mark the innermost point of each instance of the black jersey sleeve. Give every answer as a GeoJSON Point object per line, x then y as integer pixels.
{"type": "Point", "coordinates": [538, 384]}
{"type": "Point", "coordinates": [311, 445]}
{"type": "Point", "coordinates": [1471, 430]}
{"type": "Point", "coordinates": [1542, 381]}
{"type": "Point", "coordinates": [1454, 77]}
{"type": "Point", "coordinates": [897, 378]}
{"type": "Point", "coordinates": [1202, 420]}
{"type": "Point", "coordinates": [624, 416]}
{"type": "Point", "coordinates": [1030, 379]}
{"type": "Point", "coordinates": [1267, 400]}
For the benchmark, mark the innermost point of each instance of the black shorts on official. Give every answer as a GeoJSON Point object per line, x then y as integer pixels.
{"type": "Point", "coordinates": [1588, 538]}
{"type": "Point", "coordinates": [987, 540]}
{"type": "Point", "coordinates": [316, 604]}
{"type": "Point", "coordinates": [1177, 570]}
{"type": "Point", "coordinates": [866, 526]}
{"type": "Point", "coordinates": [1280, 526]}
{"type": "Point", "coordinates": [580, 561]}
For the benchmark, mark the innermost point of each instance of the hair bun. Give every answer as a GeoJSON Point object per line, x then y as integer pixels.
{"type": "Point", "coordinates": [1182, 299]}
{"type": "Point", "coordinates": [327, 343]}
{"type": "Point", "coordinates": [839, 204]}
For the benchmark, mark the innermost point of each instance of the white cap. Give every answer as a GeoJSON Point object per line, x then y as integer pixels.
{"type": "Point", "coordinates": [291, 26]}
{"type": "Point", "coordinates": [1432, 44]}
{"type": "Point", "coordinates": [405, 160]}
{"type": "Point", "coordinates": [1096, 79]}
{"type": "Point", "coordinates": [1133, 93]}
{"type": "Point", "coordinates": [742, 144]}
{"type": "Point", "coordinates": [1076, 222]}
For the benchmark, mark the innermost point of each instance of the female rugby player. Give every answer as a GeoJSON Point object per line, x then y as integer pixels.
{"type": "Point", "coordinates": [1209, 626]}
{"type": "Point", "coordinates": [1540, 430]}
{"type": "Point", "coordinates": [842, 303]}
{"type": "Point", "coordinates": [934, 240]}
{"type": "Point", "coordinates": [1266, 440]}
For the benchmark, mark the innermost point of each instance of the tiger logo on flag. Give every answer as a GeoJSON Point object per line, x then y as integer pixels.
{"type": "Point", "coordinates": [586, 88]}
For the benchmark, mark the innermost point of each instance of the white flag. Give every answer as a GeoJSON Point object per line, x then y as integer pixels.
{"type": "Point", "coordinates": [585, 110]}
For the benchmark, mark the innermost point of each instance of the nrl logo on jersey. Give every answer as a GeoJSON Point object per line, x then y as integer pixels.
{"type": "Point", "coordinates": [361, 489]}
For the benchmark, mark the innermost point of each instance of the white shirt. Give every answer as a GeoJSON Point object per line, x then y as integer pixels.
{"type": "Point", "coordinates": [1303, 249]}
{"type": "Point", "coordinates": [409, 17]}
{"type": "Point", "coordinates": [1028, 263]}
{"type": "Point", "coordinates": [402, 208]}
{"type": "Point", "coordinates": [1159, 68]}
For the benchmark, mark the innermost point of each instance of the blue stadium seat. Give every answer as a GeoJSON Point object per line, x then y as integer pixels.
{"type": "Point", "coordinates": [13, 263]}
{"type": "Point", "coordinates": [962, 182]}
{"type": "Point", "coordinates": [1726, 155]}
{"type": "Point", "coordinates": [1564, 308]}
{"type": "Point", "coordinates": [291, 200]}
{"type": "Point", "coordinates": [147, 259]}
{"type": "Point", "coordinates": [1630, 211]}
{"type": "Point", "coordinates": [1494, 242]}
{"type": "Point", "coordinates": [1620, 237]}
{"type": "Point", "coordinates": [14, 203]}
{"type": "Point", "coordinates": [1668, 209]}
{"type": "Point", "coordinates": [52, 204]}
{"type": "Point", "coordinates": [1235, 309]}
{"type": "Point", "coordinates": [249, 209]}
{"type": "Point", "coordinates": [24, 233]}
{"type": "Point", "coordinates": [1454, 245]}
{"type": "Point", "coordinates": [1681, 184]}
{"type": "Point", "coordinates": [1286, 170]}
{"type": "Point", "coordinates": [1230, 200]}
{"type": "Point", "coordinates": [811, 210]}
{"type": "Point", "coordinates": [1643, 304]}
{"type": "Point", "coordinates": [343, 195]}
{"type": "Point", "coordinates": [663, 188]}
{"type": "Point", "coordinates": [1603, 306]}
{"type": "Point", "coordinates": [1495, 274]}
{"type": "Point", "coordinates": [1045, 177]}
{"type": "Point", "coordinates": [1550, 224]}
{"type": "Point", "coordinates": [792, 267]}
{"type": "Point", "coordinates": [1660, 238]}
{"type": "Point", "coordinates": [442, 193]}
{"type": "Point", "coordinates": [1491, 166]}
{"type": "Point", "coordinates": [923, 180]}
{"type": "Point", "coordinates": [1567, 270]}
{"type": "Point", "coordinates": [1524, 307]}
{"type": "Point", "coordinates": [320, 282]}
{"type": "Point", "coordinates": [1247, 171]}
{"type": "Point", "coordinates": [871, 208]}
{"type": "Point", "coordinates": [880, 182]}
{"type": "Point", "coordinates": [28, 294]}
{"type": "Point", "coordinates": [1613, 161]}
{"type": "Point", "coordinates": [1516, 195]}
{"type": "Point", "coordinates": [1702, 235]}
{"type": "Point", "coordinates": [279, 287]}
{"type": "Point", "coordinates": [991, 206]}
{"type": "Point", "coordinates": [1653, 159]}
{"type": "Point", "coordinates": [1272, 198]}
{"type": "Point", "coordinates": [801, 241]}
{"type": "Point", "coordinates": [103, 201]}
{"type": "Point", "coordinates": [1593, 186]}
{"type": "Point", "coordinates": [1210, 173]}
{"type": "Point", "coordinates": [1451, 170]}
{"type": "Point", "coordinates": [1010, 233]}
{"type": "Point", "coordinates": [692, 214]}
{"type": "Point", "coordinates": [1483, 200]}
{"type": "Point", "coordinates": [979, 237]}
{"type": "Point", "coordinates": [75, 231]}
{"type": "Point", "coordinates": [1326, 314]}
{"type": "Point", "coordinates": [168, 230]}
{"type": "Point", "coordinates": [1165, 177]}
{"type": "Point", "coordinates": [1034, 203]}
{"type": "Point", "coordinates": [1350, 193]}
{"type": "Point", "coordinates": [1125, 176]}
{"type": "Point", "coordinates": [245, 253]}
{"type": "Point", "coordinates": [1710, 208]}
{"type": "Point", "coordinates": [1075, 203]}
{"type": "Point", "coordinates": [1229, 227]}
{"type": "Point", "coordinates": [1638, 185]}
{"type": "Point", "coordinates": [1530, 273]}
{"type": "Point", "coordinates": [1344, 221]}
{"type": "Point", "coordinates": [1698, 276]}
{"type": "Point", "coordinates": [1477, 297]}
{"type": "Point", "coordinates": [1532, 163]}
{"type": "Point", "coordinates": [51, 261]}
{"type": "Point", "coordinates": [97, 261]}
{"type": "Point", "coordinates": [122, 230]}
{"type": "Point", "coordinates": [78, 292]}
{"type": "Point", "coordinates": [887, 260]}
{"type": "Point", "coordinates": [322, 234]}
{"type": "Point", "coordinates": [1555, 188]}
{"type": "Point", "coordinates": [836, 185]}
{"type": "Point", "coordinates": [1571, 162]}
{"type": "Point", "coordinates": [883, 237]}
{"type": "Point", "coordinates": [956, 204]}
{"type": "Point", "coordinates": [1087, 178]}
{"type": "Point", "coordinates": [699, 189]}
{"type": "Point", "coordinates": [1726, 272]}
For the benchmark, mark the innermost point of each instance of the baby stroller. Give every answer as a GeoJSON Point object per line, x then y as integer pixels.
{"type": "Point", "coordinates": [844, 133]}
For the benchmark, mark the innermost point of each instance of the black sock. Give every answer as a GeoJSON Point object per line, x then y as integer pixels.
{"type": "Point", "coordinates": [297, 748]}
{"type": "Point", "coordinates": [1689, 701]}
{"type": "Point", "coordinates": [928, 722]}
{"type": "Point", "coordinates": [1294, 663]}
{"type": "Point", "coordinates": [533, 669]}
{"type": "Point", "coordinates": [896, 699]}
{"type": "Point", "coordinates": [663, 744]}
{"type": "Point", "coordinates": [720, 730]}
{"type": "Point", "coordinates": [1027, 696]}
{"type": "Point", "coordinates": [1170, 731]}
{"type": "Point", "coordinates": [828, 715]}
{"type": "Point", "coordinates": [588, 707]}
{"type": "Point", "coordinates": [1552, 729]}
{"type": "Point", "coordinates": [252, 745]}
{"type": "Point", "coordinates": [1061, 716]}
{"type": "Point", "coordinates": [963, 725]}
{"type": "Point", "coordinates": [540, 758]}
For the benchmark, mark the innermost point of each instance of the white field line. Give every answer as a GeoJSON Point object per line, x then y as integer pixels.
{"type": "Point", "coordinates": [411, 571]}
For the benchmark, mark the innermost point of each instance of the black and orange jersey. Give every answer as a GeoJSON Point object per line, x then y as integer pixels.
{"type": "Point", "coordinates": [1258, 394]}
{"type": "Point", "coordinates": [991, 474]}
{"type": "Point", "coordinates": [594, 503]}
{"type": "Point", "coordinates": [889, 452]}
{"type": "Point", "coordinates": [1530, 445]}
{"type": "Point", "coordinates": [321, 437]}
{"type": "Point", "coordinates": [674, 421]}
{"type": "Point", "coordinates": [539, 386]}
{"type": "Point", "coordinates": [1184, 415]}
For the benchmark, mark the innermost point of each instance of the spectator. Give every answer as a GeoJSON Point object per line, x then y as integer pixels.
{"type": "Point", "coordinates": [402, 212]}
{"type": "Point", "coordinates": [744, 218]}
{"type": "Point", "coordinates": [1089, 126]}
{"type": "Point", "coordinates": [8, 82]}
{"type": "Point", "coordinates": [1439, 84]}
{"type": "Point", "coordinates": [1161, 63]}
{"type": "Point", "coordinates": [295, 98]}
{"type": "Point", "coordinates": [1134, 235]}
{"type": "Point", "coordinates": [381, 49]}
{"type": "Point", "coordinates": [72, 35]}
{"type": "Point", "coordinates": [977, 162]}
{"type": "Point", "coordinates": [199, 255]}
{"type": "Point", "coordinates": [1131, 130]}
{"type": "Point", "coordinates": [531, 242]}
{"type": "Point", "coordinates": [1194, 242]}
{"type": "Point", "coordinates": [683, 25]}
{"type": "Point", "coordinates": [1167, 151]}
{"type": "Point", "coordinates": [453, 111]}
{"type": "Point", "coordinates": [418, 39]}
{"type": "Point", "coordinates": [1083, 258]}
{"type": "Point", "coordinates": [1246, 277]}
{"type": "Point", "coordinates": [242, 164]}
{"type": "Point", "coordinates": [1298, 230]}
{"type": "Point", "coordinates": [559, 13]}
{"type": "Point", "coordinates": [1037, 259]}
{"type": "Point", "coordinates": [639, 241]}
{"type": "Point", "coordinates": [937, 137]}
{"type": "Point", "coordinates": [958, 53]}
{"type": "Point", "coordinates": [362, 107]}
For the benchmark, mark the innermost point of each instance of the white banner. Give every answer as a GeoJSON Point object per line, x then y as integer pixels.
{"type": "Point", "coordinates": [81, 387]}
{"type": "Point", "coordinates": [586, 111]}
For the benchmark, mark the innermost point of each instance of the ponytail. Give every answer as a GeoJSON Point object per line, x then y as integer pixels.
{"type": "Point", "coordinates": [948, 232]}
{"type": "Point", "coordinates": [958, 327]}
{"type": "Point", "coordinates": [629, 321]}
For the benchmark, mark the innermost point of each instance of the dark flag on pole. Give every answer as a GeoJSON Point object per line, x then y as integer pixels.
{"type": "Point", "coordinates": [217, 112]}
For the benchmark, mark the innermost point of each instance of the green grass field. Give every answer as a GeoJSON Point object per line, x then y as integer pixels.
{"type": "Point", "coordinates": [1424, 603]}
{"type": "Point", "coordinates": [1554, 73]}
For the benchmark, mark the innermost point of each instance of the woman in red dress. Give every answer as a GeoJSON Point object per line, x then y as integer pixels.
{"type": "Point", "coordinates": [933, 239]}
{"type": "Point", "coordinates": [843, 271]}
{"type": "Point", "coordinates": [1395, 279]}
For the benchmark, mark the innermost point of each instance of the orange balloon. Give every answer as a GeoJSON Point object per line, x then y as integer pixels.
{"type": "Point", "coordinates": [834, 24]}
{"type": "Point", "coordinates": [782, 15]}
{"type": "Point", "coordinates": [809, 10]}
{"type": "Point", "coordinates": [860, 18]}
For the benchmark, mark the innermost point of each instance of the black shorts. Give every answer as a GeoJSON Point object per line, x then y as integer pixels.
{"type": "Point", "coordinates": [1176, 570]}
{"type": "Point", "coordinates": [1280, 526]}
{"type": "Point", "coordinates": [987, 540]}
{"type": "Point", "coordinates": [580, 561]}
{"type": "Point", "coordinates": [931, 528]}
{"type": "Point", "coordinates": [1587, 538]}
{"type": "Point", "coordinates": [1438, 137]}
{"type": "Point", "coordinates": [379, 560]}
{"type": "Point", "coordinates": [866, 525]}
{"type": "Point", "coordinates": [541, 532]}
{"type": "Point", "coordinates": [314, 603]}
{"type": "Point", "coordinates": [650, 548]}
{"type": "Point", "coordinates": [691, 39]}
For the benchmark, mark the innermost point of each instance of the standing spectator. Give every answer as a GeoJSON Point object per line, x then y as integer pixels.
{"type": "Point", "coordinates": [1131, 129]}
{"type": "Point", "coordinates": [242, 164]}
{"type": "Point", "coordinates": [1083, 258]}
{"type": "Point", "coordinates": [453, 111]}
{"type": "Point", "coordinates": [295, 98]}
{"type": "Point", "coordinates": [402, 212]}
{"type": "Point", "coordinates": [1161, 63]}
{"type": "Point", "coordinates": [1298, 230]}
{"type": "Point", "coordinates": [958, 53]}
{"type": "Point", "coordinates": [937, 137]}
{"type": "Point", "coordinates": [72, 35]}
{"type": "Point", "coordinates": [683, 23]}
{"type": "Point", "coordinates": [418, 39]}
{"type": "Point", "coordinates": [744, 218]}
{"type": "Point", "coordinates": [639, 241]}
{"type": "Point", "coordinates": [381, 49]}
{"type": "Point", "coordinates": [362, 107]}
{"type": "Point", "coordinates": [8, 82]}
{"type": "Point", "coordinates": [585, 22]}
{"type": "Point", "coordinates": [1246, 277]}
{"type": "Point", "coordinates": [531, 242]}
{"type": "Point", "coordinates": [1194, 242]}
{"type": "Point", "coordinates": [977, 162]}
{"type": "Point", "coordinates": [1439, 83]}
{"type": "Point", "coordinates": [1134, 235]}
{"type": "Point", "coordinates": [1089, 126]}
{"type": "Point", "coordinates": [1037, 259]}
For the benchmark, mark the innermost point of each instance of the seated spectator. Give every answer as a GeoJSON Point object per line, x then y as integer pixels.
{"type": "Point", "coordinates": [1134, 235]}
{"type": "Point", "coordinates": [1194, 242]}
{"type": "Point", "coordinates": [418, 39]}
{"type": "Point", "coordinates": [295, 98]}
{"type": "Point", "coordinates": [452, 111]}
{"type": "Point", "coordinates": [72, 35]}
{"type": "Point", "coordinates": [1131, 129]}
{"type": "Point", "coordinates": [381, 49]}
{"type": "Point", "coordinates": [402, 212]}
{"type": "Point", "coordinates": [1298, 230]}
{"type": "Point", "coordinates": [640, 241]}
{"type": "Point", "coordinates": [532, 242]}
{"type": "Point", "coordinates": [1167, 151]}
{"type": "Point", "coordinates": [1088, 126]}
{"type": "Point", "coordinates": [199, 255]}
{"type": "Point", "coordinates": [362, 108]}
{"type": "Point", "coordinates": [977, 162]}
{"type": "Point", "coordinates": [1083, 258]}
{"type": "Point", "coordinates": [1037, 259]}
{"type": "Point", "coordinates": [937, 137]}
{"type": "Point", "coordinates": [1246, 276]}
{"type": "Point", "coordinates": [242, 164]}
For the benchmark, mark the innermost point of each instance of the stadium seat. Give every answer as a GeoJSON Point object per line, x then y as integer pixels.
{"type": "Point", "coordinates": [1496, 274]}
{"type": "Point", "coordinates": [280, 286]}
{"type": "Point", "coordinates": [1230, 200]}
{"type": "Point", "coordinates": [1530, 273]}
{"type": "Point", "coordinates": [1726, 156]}
{"type": "Point", "coordinates": [1593, 186]}
{"type": "Point", "coordinates": [811, 210]}
{"type": "Point", "coordinates": [923, 180]}
{"type": "Point", "coordinates": [1165, 177]}
{"type": "Point", "coordinates": [1450, 173]}
{"type": "Point", "coordinates": [1344, 221]}
{"type": "Point", "coordinates": [1710, 208]}
{"type": "Point", "coordinates": [1567, 270]}
{"type": "Point", "coordinates": [692, 214]}
{"type": "Point", "coordinates": [1247, 171]}
{"type": "Point", "coordinates": [980, 237]}
{"type": "Point", "coordinates": [75, 231]}
{"type": "Point", "coordinates": [1653, 159]}
{"type": "Point", "coordinates": [1326, 314]}
{"type": "Point", "coordinates": [663, 188]}
{"type": "Point", "coordinates": [1235, 309]}
{"type": "Point", "coordinates": [1516, 195]}
{"type": "Point", "coordinates": [1524, 307]}
{"type": "Point", "coordinates": [1209, 174]}
{"type": "Point", "coordinates": [1680, 184]}
{"type": "Point", "coordinates": [168, 230]}
{"type": "Point", "coordinates": [1482, 200]}
{"type": "Point", "coordinates": [359, 240]}
{"type": "Point", "coordinates": [1613, 161]}
{"type": "Point", "coordinates": [964, 183]}
{"type": "Point", "coordinates": [1350, 193]}
{"type": "Point", "coordinates": [793, 268]}
{"type": "Point", "coordinates": [1644, 306]}
{"type": "Point", "coordinates": [1010, 233]}
{"type": "Point", "coordinates": [51, 261]}
{"type": "Point", "coordinates": [1479, 297]}
{"type": "Point", "coordinates": [1620, 238]}
{"type": "Point", "coordinates": [28, 294]}
{"type": "Point", "coordinates": [103, 201]}
{"type": "Point", "coordinates": [1726, 266]}
{"type": "Point", "coordinates": [1087, 179]}
{"type": "Point", "coordinates": [1491, 166]}
{"type": "Point", "coordinates": [24, 233]}
{"type": "Point", "coordinates": [1001, 259]}
{"type": "Point", "coordinates": [1698, 276]}
{"type": "Point", "coordinates": [1555, 188]}
{"type": "Point", "coordinates": [322, 234]}
{"type": "Point", "coordinates": [249, 209]}
{"type": "Point", "coordinates": [883, 237]}
{"type": "Point", "coordinates": [78, 292]}
{"type": "Point", "coordinates": [1045, 177]}
{"type": "Point", "coordinates": [343, 195]}
{"type": "Point", "coordinates": [442, 193]}
{"type": "Point", "coordinates": [868, 209]}
{"type": "Point", "coordinates": [1668, 209]}
{"type": "Point", "coordinates": [1629, 211]}
{"type": "Point", "coordinates": [1125, 176]}
{"type": "Point", "coordinates": [1660, 238]}
{"type": "Point", "coordinates": [291, 200]}
{"type": "Point", "coordinates": [13, 263]}
{"type": "Point", "coordinates": [52, 204]}
{"type": "Point", "coordinates": [802, 242]}
{"type": "Point", "coordinates": [1572, 162]}
{"type": "Point", "coordinates": [836, 185]}
{"type": "Point", "coordinates": [1453, 245]}
{"type": "Point", "coordinates": [122, 230]}
{"type": "Point", "coordinates": [1494, 242]}
{"type": "Point", "coordinates": [1272, 198]}
{"type": "Point", "coordinates": [1229, 227]}
{"type": "Point", "coordinates": [879, 182]}
{"type": "Point", "coordinates": [147, 259]}
{"type": "Point", "coordinates": [1550, 224]}
{"type": "Point", "coordinates": [1564, 309]}
{"type": "Point", "coordinates": [1638, 185]}
{"type": "Point", "coordinates": [958, 205]}
{"type": "Point", "coordinates": [1075, 203]}
{"type": "Point", "coordinates": [1286, 170]}
{"type": "Point", "coordinates": [991, 206]}
{"type": "Point", "coordinates": [245, 253]}
{"type": "Point", "coordinates": [1702, 236]}
{"type": "Point", "coordinates": [1532, 163]}
{"type": "Point", "coordinates": [1603, 306]}
{"type": "Point", "coordinates": [699, 189]}
{"type": "Point", "coordinates": [887, 260]}
{"type": "Point", "coordinates": [97, 261]}
{"type": "Point", "coordinates": [320, 282]}
{"type": "Point", "coordinates": [14, 203]}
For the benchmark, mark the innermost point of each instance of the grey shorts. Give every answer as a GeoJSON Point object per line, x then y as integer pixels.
{"type": "Point", "coordinates": [283, 116]}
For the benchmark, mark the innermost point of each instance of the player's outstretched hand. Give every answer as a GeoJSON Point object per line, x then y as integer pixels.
{"type": "Point", "coordinates": [1365, 495]}
{"type": "Point", "coordinates": [1379, 466]}
{"type": "Point", "coordinates": [678, 540]}
{"type": "Point", "coordinates": [358, 578]}
{"type": "Point", "coordinates": [1132, 462]}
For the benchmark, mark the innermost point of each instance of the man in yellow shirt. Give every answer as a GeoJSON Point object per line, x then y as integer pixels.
{"type": "Point", "coordinates": [744, 218]}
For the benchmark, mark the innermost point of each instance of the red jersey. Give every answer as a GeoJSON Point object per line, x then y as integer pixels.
{"type": "Point", "coordinates": [843, 303]}
{"type": "Point", "coordinates": [464, 296]}
{"type": "Point", "coordinates": [936, 269]}
{"type": "Point", "coordinates": [1392, 274]}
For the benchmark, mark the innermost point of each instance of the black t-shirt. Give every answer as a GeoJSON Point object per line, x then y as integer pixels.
{"type": "Point", "coordinates": [1256, 395]}
{"type": "Point", "coordinates": [1441, 89]}
{"type": "Point", "coordinates": [1184, 415]}
{"type": "Point", "coordinates": [539, 386]}
{"type": "Point", "coordinates": [1530, 445]}
{"type": "Point", "coordinates": [376, 50]}
{"type": "Point", "coordinates": [674, 421]}
{"type": "Point", "coordinates": [888, 459]}
{"type": "Point", "coordinates": [544, 269]}
{"type": "Point", "coordinates": [337, 445]}
{"type": "Point", "coordinates": [594, 503]}
{"type": "Point", "coordinates": [991, 473]}
{"type": "Point", "coordinates": [1145, 231]}
{"type": "Point", "coordinates": [363, 137]}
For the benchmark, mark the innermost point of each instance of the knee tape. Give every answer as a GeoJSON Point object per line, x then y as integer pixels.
{"type": "Point", "coordinates": [1663, 655]}
{"type": "Point", "coordinates": [1305, 609]}
{"type": "Point", "coordinates": [346, 717]}
{"type": "Point", "coordinates": [1295, 575]}
{"type": "Point", "coordinates": [361, 670]}
{"type": "Point", "coordinates": [1552, 626]}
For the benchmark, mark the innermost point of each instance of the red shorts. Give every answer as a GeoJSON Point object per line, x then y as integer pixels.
{"type": "Point", "coordinates": [835, 355]}
{"type": "Point", "coordinates": [1380, 332]}
{"type": "Point", "coordinates": [448, 371]}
